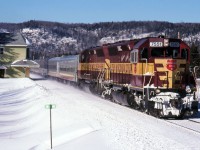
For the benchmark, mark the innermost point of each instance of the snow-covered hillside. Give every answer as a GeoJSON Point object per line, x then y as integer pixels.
{"type": "Point", "coordinates": [192, 38]}
{"type": "Point", "coordinates": [50, 39]}
{"type": "Point", "coordinates": [81, 121]}
{"type": "Point", "coordinates": [45, 41]}
{"type": "Point", "coordinates": [123, 36]}
{"type": "Point", "coordinates": [39, 36]}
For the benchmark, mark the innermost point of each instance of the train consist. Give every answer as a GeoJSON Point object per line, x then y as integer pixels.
{"type": "Point", "coordinates": [151, 74]}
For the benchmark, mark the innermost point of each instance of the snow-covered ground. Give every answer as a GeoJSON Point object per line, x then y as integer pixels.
{"type": "Point", "coordinates": [81, 121]}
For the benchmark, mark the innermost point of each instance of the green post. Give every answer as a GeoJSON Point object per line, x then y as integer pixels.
{"type": "Point", "coordinates": [50, 106]}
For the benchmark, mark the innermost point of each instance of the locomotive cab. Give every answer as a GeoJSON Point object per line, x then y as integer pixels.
{"type": "Point", "coordinates": [165, 59]}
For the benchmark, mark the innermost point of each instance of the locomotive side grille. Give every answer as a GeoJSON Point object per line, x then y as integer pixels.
{"type": "Point", "coordinates": [163, 75]}
{"type": "Point", "coordinates": [179, 75]}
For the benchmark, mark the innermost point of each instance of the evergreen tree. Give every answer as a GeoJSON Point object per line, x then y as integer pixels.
{"type": "Point", "coordinates": [194, 56]}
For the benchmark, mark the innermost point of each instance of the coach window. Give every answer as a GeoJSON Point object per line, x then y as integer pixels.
{"type": "Point", "coordinates": [144, 53]}
{"type": "Point", "coordinates": [134, 56]}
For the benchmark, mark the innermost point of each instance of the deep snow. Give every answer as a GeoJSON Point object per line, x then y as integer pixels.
{"type": "Point", "coordinates": [80, 121]}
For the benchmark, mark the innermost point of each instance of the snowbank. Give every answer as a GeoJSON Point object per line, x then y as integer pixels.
{"type": "Point", "coordinates": [80, 121]}
{"type": "Point", "coordinates": [24, 121]}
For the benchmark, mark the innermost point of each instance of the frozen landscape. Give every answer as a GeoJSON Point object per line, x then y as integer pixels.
{"type": "Point", "coordinates": [82, 121]}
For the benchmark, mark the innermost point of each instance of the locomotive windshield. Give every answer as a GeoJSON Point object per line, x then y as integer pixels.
{"type": "Point", "coordinates": [163, 52]}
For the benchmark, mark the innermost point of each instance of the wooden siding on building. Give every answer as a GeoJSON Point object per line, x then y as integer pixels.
{"type": "Point", "coordinates": [10, 55]}
{"type": "Point", "coordinates": [14, 48]}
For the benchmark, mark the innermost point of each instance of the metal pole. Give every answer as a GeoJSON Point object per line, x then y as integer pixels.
{"type": "Point", "coordinates": [50, 107]}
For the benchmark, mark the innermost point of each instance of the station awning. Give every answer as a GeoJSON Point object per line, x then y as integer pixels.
{"type": "Point", "coordinates": [3, 67]}
{"type": "Point", "coordinates": [25, 63]}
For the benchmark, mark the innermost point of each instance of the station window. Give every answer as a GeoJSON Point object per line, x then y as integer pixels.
{"type": "Point", "coordinates": [1, 50]}
{"type": "Point", "coordinates": [27, 53]}
{"type": "Point", "coordinates": [134, 56]}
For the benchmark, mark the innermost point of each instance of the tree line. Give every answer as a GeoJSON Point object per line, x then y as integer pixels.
{"type": "Point", "coordinates": [90, 35]}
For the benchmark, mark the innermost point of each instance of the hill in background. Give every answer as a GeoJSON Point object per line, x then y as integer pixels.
{"type": "Point", "coordinates": [49, 39]}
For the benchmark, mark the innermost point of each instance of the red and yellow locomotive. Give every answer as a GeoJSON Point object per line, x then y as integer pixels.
{"type": "Point", "coordinates": [151, 74]}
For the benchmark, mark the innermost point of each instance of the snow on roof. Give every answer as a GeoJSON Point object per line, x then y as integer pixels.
{"type": "Point", "coordinates": [27, 41]}
{"type": "Point", "coordinates": [3, 67]}
{"type": "Point", "coordinates": [25, 63]}
{"type": "Point", "coordinates": [68, 57]}
{"type": "Point", "coordinates": [4, 31]}
{"type": "Point", "coordinates": [10, 39]}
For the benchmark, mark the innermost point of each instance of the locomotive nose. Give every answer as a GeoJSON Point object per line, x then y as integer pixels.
{"type": "Point", "coordinates": [170, 72]}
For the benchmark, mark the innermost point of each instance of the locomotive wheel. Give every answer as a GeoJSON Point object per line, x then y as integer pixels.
{"type": "Point", "coordinates": [142, 106]}
{"type": "Point", "coordinates": [93, 88]}
{"type": "Point", "coordinates": [120, 97]}
{"type": "Point", "coordinates": [131, 101]}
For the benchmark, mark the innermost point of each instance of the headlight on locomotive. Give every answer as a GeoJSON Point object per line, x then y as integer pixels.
{"type": "Point", "coordinates": [157, 91]}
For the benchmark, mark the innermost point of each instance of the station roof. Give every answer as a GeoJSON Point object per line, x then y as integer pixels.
{"type": "Point", "coordinates": [3, 67]}
{"type": "Point", "coordinates": [12, 39]}
{"type": "Point", "coordinates": [25, 63]}
{"type": "Point", "coordinates": [63, 58]}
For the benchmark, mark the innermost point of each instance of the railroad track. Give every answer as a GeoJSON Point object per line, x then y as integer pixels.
{"type": "Point", "coordinates": [188, 124]}
{"type": "Point", "coordinates": [198, 122]}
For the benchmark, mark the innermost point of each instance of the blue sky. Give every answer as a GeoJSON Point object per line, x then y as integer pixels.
{"type": "Point", "coordinates": [91, 11]}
